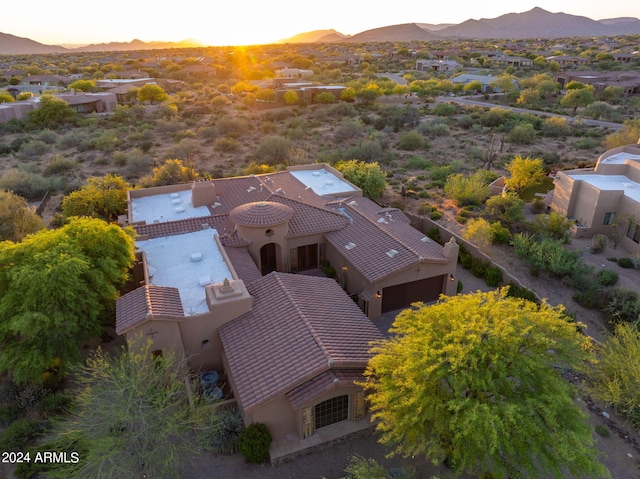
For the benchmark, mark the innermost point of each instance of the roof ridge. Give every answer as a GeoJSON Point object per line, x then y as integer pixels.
{"type": "Point", "coordinates": [308, 325]}
{"type": "Point", "coordinates": [388, 233]}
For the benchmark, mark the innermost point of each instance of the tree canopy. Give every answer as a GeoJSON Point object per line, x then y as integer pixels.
{"type": "Point", "coordinates": [132, 415]}
{"type": "Point", "coordinates": [102, 197]}
{"type": "Point", "coordinates": [369, 177]}
{"type": "Point", "coordinates": [172, 172]}
{"type": "Point", "coordinates": [524, 172]}
{"type": "Point", "coordinates": [152, 93]}
{"type": "Point", "coordinates": [17, 219]}
{"type": "Point", "coordinates": [475, 380]}
{"type": "Point", "coordinates": [52, 112]}
{"type": "Point", "coordinates": [55, 288]}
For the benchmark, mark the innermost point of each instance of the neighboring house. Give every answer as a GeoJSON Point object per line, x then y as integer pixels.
{"type": "Point", "coordinates": [293, 73]}
{"type": "Point", "coordinates": [441, 66]}
{"type": "Point", "coordinates": [486, 81]}
{"type": "Point", "coordinates": [597, 199]}
{"type": "Point", "coordinates": [629, 81]}
{"type": "Point", "coordinates": [306, 91]}
{"type": "Point", "coordinates": [220, 281]}
{"type": "Point", "coordinates": [568, 60]}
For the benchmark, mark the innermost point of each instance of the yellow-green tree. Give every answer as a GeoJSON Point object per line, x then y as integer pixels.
{"type": "Point", "coordinates": [17, 219]}
{"type": "Point", "coordinates": [172, 172]}
{"type": "Point", "coordinates": [102, 197]}
{"type": "Point", "coordinates": [627, 135]}
{"type": "Point", "coordinates": [524, 173]}
{"type": "Point", "coordinates": [152, 93]}
{"type": "Point", "coordinates": [369, 177]}
{"type": "Point", "coordinates": [474, 380]}
{"type": "Point", "coordinates": [291, 97]}
{"type": "Point", "coordinates": [56, 287]}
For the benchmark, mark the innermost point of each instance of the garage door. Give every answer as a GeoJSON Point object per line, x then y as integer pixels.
{"type": "Point", "coordinates": [402, 295]}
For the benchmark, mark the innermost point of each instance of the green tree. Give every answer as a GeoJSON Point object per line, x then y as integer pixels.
{"type": "Point", "coordinates": [83, 85]}
{"type": "Point", "coordinates": [290, 97]}
{"type": "Point", "coordinates": [172, 172]}
{"type": "Point", "coordinates": [55, 288]}
{"type": "Point", "coordinates": [615, 378]}
{"type": "Point", "coordinates": [102, 197]}
{"type": "Point", "coordinates": [467, 190]}
{"type": "Point", "coordinates": [478, 231]}
{"type": "Point", "coordinates": [473, 380]}
{"type": "Point", "coordinates": [473, 87]}
{"type": "Point", "coordinates": [524, 173]}
{"type": "Point", "coordinates": [577, 98]}
{"type": "Point", "coordinates": [17, 219]}
{"type": "Point", "coordinates": [152, 93]}
{"type": "Point", "coordinates": [348, 95]}
{"type": "Point", "coordinates": [529, 98]}
{"type": "Point", "coordinates": [133, 417]}
{"type": "Point", "coordinates": [507, 208]}
{"type": "Point", "coordinates": [369, 177]}
{"type": "Point", "coordinates": [627, 135]}
{"type": "Point", "coordinates": [52, 112]}
{"type": "Point", "coordinates": [6, 97]}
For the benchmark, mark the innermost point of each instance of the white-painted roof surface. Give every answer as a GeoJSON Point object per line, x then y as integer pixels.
{"type": "Point", "coordinates": [322, 182]}
{"type": "Point", "coordinates": [166, 207]}
{"type": "Point", "coordinates": [612, 182]}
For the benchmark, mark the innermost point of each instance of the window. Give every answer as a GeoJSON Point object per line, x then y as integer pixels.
{"type": "Point", "coordinates": [633, 233]}
{"type": "Point", "coordinates": [331, 411]}
{"type": "Point", "coordinates": [609, 218]}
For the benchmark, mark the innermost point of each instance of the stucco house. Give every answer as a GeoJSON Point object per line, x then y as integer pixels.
{"type": "Point", "coordinates": [438, 65]}
{"type": "Point", "coordinates": [602, 197]}
{"type": "Point", "coordinates": [221, 281]}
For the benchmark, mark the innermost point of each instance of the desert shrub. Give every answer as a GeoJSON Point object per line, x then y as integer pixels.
{"type": "Point", "coordinates": [465, 121]}
{"type": "Point", "coordinates": [537, 205]}
{"type": "Point", "coordinates": [493, 276]}
{"type": "Point", "coordinates": [522, 134]}
{"type": "Point", "coordinates": [47, 136]}
{"type": "Point", "coordinates": [445, 109]}
{"type": "Point", "coordinates": [33, 148]}
{"type": "Point", "coordinates": [493, 117]}
{"type": "Point", "coordinates": [500, 234]}
{"type": "Point", "coordinates": [28, 185]}
{"type": "Point", "coordinates": [466, 190]}
{"type": "Point", "coordinates": [224, 437]}
{"type": "Point", "coordinates": [517, 291]}
{"type": "Point", "coordinates": [342, 110]}
{"type": "Point", "coordinates": [424, 209]}
{"type": "Point", "coordinates": [436, 214]}
{"type": "Point", "coordinates": [418, 163]}
{"type": "Point", "coordinates": [590, 297]}
{"type": "Point", "coordinates": [635, 261]}
{"type": "Point", "coordinates": [440, 173]}
{"type": "Point", "coordinates": [548, 254]}
{"type": "Point", "coordinates": [58, 165]}
{"type": "Point", "coordinates": [434, 128]}
{"type": "Point", "coordinates": [586, 144]}
{"type": "Point", "coordinates": [621, 305]}
{"type": "Point", "coordinates": [625, 262]}
{"type": "Point", "coordinates": [369, 151]}
{"type": "Point", "coordinates": [598, 243]}
{"type": "Point", "coordinates": [273, 150]}
{"type": "Point", "coordinates": [20, 434]}
{"type": "Point", "coordinates": [54, 404]}
{"type": "Point", "coordinates": [254, 442]}
{"type": "Point", "coordinates": [411, 141]}
{"type": "Point", "coordinates": [362, 468]}
{"type": "Point", "coordinates": [554, 225]}
{"type": "Point", "coordinates": [226, 144]}
{"type": "Point", "coordinates": [606, 277]}
{"type": "Point", "coordinates": [555, 126]}
{"type": "Point", "coordinates": [347, 130]}
{"type": "Point", "coordinates": [508, 208]}
{"type": "Point", "coordinates": [602, 430]}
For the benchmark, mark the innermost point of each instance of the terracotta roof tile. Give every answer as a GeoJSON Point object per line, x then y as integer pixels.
{"type": "Point", "coordinates": [145, 303]}
{"type": "Point", "coordinates": [261, 213]}
{"type": "Point", "coordinates": [243, 264]}
{"type": "Point", "coordinates": [322, 383]}
{"type": "Point", "coordinates": [293, 334]}
{"type": "Point", "coordinates": [170, 228]}
{"type": "Point", "coordinates": [379, 242]}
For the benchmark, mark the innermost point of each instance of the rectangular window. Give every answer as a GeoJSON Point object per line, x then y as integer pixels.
{"type": "Point", "coordinates": [609, 218]}
{"type": "Point", "coordinates": [331, 411]}
{"type": "Point", "coordinates": [633, 233]}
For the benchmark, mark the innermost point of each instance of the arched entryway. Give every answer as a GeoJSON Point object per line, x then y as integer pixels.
{"type": "Point", "coordinates": [268, 258]}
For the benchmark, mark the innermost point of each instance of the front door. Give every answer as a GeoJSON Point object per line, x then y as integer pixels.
{"type": "Point", "coordinates": [268, 262]}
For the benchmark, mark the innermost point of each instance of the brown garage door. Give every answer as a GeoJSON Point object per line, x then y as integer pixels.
{"type": "Point", "coordinates": [402, 295]}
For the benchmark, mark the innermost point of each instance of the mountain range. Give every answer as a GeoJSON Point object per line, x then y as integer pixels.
{"type": "Point", "coordinates": [536, 23]}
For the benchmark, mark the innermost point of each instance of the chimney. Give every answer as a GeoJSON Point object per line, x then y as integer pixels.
{"type": "Point", "coordinates": [203, 193]}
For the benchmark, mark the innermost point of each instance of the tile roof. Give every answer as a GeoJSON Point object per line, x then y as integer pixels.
{"type": "Point", "coordinates": [170, 228]}
{"type": "Point", "coordinates": [261, 213]}
{"type": "Point", "coordinates": [379, 242]}
{"type": "Point", "coordinates": [292, 335]}
{"type": "Point", "coordinates": [322, 383]}
{"type": "Point", "coordinates": [311, 219]}
{"type": "Point", "coordinates": [243, 264]}
{"type": "Point", "coordinates": [145, 303]}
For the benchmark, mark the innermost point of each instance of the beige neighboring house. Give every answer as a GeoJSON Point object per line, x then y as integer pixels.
{"type": "Point", "coordinates": [605, 196]}
{"type": "Point", "coordinates": [441, 66]}
{"type": "Point", "coordinates": [227, 276]}
{"type": "Point", "coordinates": [103, 102]}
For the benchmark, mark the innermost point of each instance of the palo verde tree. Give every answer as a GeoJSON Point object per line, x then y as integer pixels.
{"type": "Point", "coordinates": [152, 93]}
{"type": "Point", "coordinates": [53, 112]}
{"type": "Point", "coordinates": [474, 380]}
{"type": "Point", "coordinates": [524, 173]}
{"type": "Point", "coordinates": [102, 197]}
{"type": "Point", "coordinates": [369, 177]}
{"type": "Point", "coordinates": [132, 415]}
{"type": "Point", "coordinates": [56, 287]}
{"type": "Point", "coordinates": [17, 219]}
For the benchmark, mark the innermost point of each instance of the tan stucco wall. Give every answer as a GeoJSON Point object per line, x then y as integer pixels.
{"type": "Point", "coordinates": [164, 334]}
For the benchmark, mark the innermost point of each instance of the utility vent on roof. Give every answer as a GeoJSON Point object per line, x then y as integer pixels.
{"type": "Point", "coordinates": [350, 245]}
{"type": "Point", "coordinates": [204, 280]}
{"type": "Point", "coordinates": [353, 203]}
{"type": "Point", "coordinates": [216, 204]}
{"type": "Point", "coordinates": [251, 188]}
{"type": "Point", "coordinates": [327, 183]}
{"type": "Point", "coordinates": [280, 191]}
{"type": "Point", "coordinates": [316, 173]}
{"type": "Point", "coordinates": [426, 239]}
{"type": "Point", "coordinates": [196, 256]}
{"type": "Point", "coordinates": [175, 195]}
{"type": "Point", "coordinates": [391, 253]}
{"type": "Point", "coordinates": [382, 220]}
{"type": "Point", "coordinates": [179, 209]}
{"type": "Point", "coordinates": [205, 226]}
{"type": "Point", "coordinates": [176, 201]}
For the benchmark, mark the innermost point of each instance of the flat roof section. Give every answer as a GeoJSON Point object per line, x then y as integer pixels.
{"type": "Point", "coordinates": [166, 207]}
{"type": "Point", "coordinates": [612, 182]}
{"type": "Point", "coordinates": [188, 262]}
{"type": "Point", "coordinates": [619, 158]}
{"type": "Point", "coordinates": [322, 182]}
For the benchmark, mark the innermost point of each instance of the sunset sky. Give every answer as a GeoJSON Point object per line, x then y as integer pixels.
{"type": "Point", "coordinates": [252, 22]}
